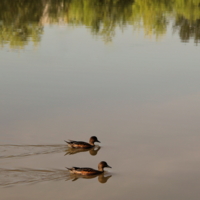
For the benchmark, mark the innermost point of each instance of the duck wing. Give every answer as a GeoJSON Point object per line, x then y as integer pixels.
{"type": "Point", "coordinates": [70, 141]}
{"type": "Point", "coordinates": [73, 168]}
{"type": "Point", "coordinates": [87, 171]}
{"type": "Point", "coordinates": [78, 144]}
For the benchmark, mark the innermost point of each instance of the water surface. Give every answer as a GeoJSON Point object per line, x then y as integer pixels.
{"type": "Point", "coordinates": [125, 71]}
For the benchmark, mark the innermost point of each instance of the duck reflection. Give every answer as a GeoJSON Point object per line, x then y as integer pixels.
{"type": "Point", "coordinates": [102, 178]}
{"type": "Point", "coordinates": [93, 151]}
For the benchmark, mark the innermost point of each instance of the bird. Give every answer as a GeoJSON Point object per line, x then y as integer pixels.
{"type": "Point", "coordinates": [85, 171]}
{"type": "Point", "coordinates": [82, 145]}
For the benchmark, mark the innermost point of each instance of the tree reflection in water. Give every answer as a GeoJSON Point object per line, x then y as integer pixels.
{"type": "Point", "coordinates": [22, 21]}
{"type": "Point", "coordinates": [188, 29]}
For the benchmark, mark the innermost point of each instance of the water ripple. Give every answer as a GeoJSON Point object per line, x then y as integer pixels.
{"type": "Point", "coordinates": [11, 177]}
{"type": "Point", "coordinates": [18, 151]}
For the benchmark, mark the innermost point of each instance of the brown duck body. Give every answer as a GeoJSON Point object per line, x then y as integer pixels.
{"type": "Point", "coordinates": [79, 144]}
{"type": "Point", "coordinates": [84, 171]}
{"type": "Point", "coordinates": [89, 171]}
{"type": "Point", "coordinates": [83, 145]}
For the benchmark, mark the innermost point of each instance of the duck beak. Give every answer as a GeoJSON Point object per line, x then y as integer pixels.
{"type": "Point", "coordinates": [109, 166]}
{"type": "Point", "coordinates": [98, 141]}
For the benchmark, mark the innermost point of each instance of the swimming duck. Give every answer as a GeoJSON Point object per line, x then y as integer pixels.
{"type": "Point", "coordinates": [83, 145]}
{"type": "Point", "coordinates": [89, 171]}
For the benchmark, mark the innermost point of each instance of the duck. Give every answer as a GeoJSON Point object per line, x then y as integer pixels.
{"type": "Point", "coordinates": [82, 145]}
{"type": "Point", "coordinates": [85, 171]}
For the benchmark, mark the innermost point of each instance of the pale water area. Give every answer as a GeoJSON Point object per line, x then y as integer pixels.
{"type": "Point", "coordinates": [124, 71]}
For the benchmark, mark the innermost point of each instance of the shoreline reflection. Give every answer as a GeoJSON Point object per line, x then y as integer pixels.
{"type": "Point", "coordinates": [19, 27]}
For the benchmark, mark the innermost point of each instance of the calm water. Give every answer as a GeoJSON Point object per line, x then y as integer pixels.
{"type": "Point", "coordinates": [125, 71]}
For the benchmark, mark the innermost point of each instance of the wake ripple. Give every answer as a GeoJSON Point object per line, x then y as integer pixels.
{"type": "Point", "coordinates": [18, 151]}
{"type": "Point", "coordinates": [11, 177]}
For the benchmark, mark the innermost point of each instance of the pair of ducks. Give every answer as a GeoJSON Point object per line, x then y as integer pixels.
{"type": "Point", "coordinates": [86, 170]}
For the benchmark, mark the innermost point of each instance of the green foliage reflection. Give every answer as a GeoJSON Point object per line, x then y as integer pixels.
{"type": "Point", "coordinates": [22, 21]}
{"type": "Point", "coordinates": [19, 22]}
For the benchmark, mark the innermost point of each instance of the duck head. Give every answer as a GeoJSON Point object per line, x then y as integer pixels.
{"type": "Point", "coordinates": [102, 165]}
{"type": "Point", "coordinates": [93, 139]}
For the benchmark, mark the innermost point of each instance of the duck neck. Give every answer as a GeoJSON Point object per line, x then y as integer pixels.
{"type": "Point", "coordinates": [91, 143]}
{"type": "Point", "coordinates": [100, 169]}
